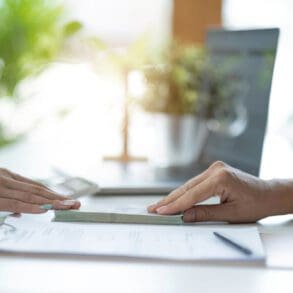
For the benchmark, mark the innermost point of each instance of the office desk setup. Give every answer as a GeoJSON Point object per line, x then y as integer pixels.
{"type": "Point", "coordinates": [28, 271]}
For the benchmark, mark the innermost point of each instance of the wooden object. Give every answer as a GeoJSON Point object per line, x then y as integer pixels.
{"type": "Point", "coordinates": [191, 18]}
{"type": "Point", "coordinates": [125, 156]}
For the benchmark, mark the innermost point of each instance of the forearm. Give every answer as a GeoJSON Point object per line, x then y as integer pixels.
{"type": "Point", "coordinates": [280, 197]}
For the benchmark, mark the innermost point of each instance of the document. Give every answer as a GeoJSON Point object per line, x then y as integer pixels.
{"type": "Point", "coordinates": [130, 214]}
{"type": "Point", "coordinates": [191, 242]}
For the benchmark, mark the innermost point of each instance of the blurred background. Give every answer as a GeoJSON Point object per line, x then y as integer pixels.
{"type": "Point", "coordinates": [69, 68]}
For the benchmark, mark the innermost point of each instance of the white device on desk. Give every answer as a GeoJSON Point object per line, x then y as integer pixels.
{"type": "Point", "coordinates": [73, 186]}
{"type": "Point", "coordinates": [77, 186]}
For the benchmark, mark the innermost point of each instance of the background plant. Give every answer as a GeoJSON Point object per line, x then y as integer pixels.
{"type": "Point", "coordinates": [181, 79]}
{"type": "Point", "coordinates": [222, 90]}
{"type": "Point", "coordinates": [173, 78]}
{"type": "Point", "coordinates": [32, 34]}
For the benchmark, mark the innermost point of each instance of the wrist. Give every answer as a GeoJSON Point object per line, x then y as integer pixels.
{"type": "Point", "coordinates": [279, 199]}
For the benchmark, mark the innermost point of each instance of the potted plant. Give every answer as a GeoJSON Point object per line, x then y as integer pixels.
{"type": "Point", "coordinates": [32, 34]}
{"type": "Point", "coordinates": [172, 90]}
{"type": "Point", "coordinates": [186, 95]}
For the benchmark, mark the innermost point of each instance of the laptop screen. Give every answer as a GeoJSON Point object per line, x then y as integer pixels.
{"type": "Point", "coordinates": [249, 55]}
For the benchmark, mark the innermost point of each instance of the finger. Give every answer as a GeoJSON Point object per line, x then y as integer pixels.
{"type": "Point", "coordinates": [180, 191]}
{"type": "Point", "coordinates": [18, 177]}
{"type": "Point", "coordinates": [65, 205]}
{"type": "Point", "coordinates": [35, 199]}
{"type": "Point", "coordinates": [16, 206]}
{"type": "Point", "coordinates": [38, 190]}
{"type": "Point", "coordinates": [24, 196]}
{"type": "Point", "coordinates": [195, 195]}
{"type": "Point", "coordinates": [204, 213]}
{"type": "Point", "coordinates": [26, 180]}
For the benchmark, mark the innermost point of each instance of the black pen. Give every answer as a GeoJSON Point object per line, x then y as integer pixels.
{"type": "Point", "coordinates": [233, 244]}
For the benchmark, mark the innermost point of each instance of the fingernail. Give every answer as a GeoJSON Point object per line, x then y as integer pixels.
{"type": "Point", "coordinates": [162, 210]}
{"type": "Point", "coordinates": [46, 206]}
{"type": "Point", "coordinates": [68, 202]}
{"type": "Point", "coordinates": [151, 207]}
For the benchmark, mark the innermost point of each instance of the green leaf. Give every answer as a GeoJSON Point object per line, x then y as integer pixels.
{"type": "Point", "coordinates": [31, 35]}
{"type": "Point", "coordinates": [72, 28]}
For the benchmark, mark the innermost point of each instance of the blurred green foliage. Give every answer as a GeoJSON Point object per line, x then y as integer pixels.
{"type": "Point", "coordinates": [32, 33]}
{"type": "Point", "coordinates": [181, 79]}
{"type": "Point", "coordinates": [223, 89]}
{"type": "Point", "coordinates": [268, 68]}
{"type": "Point", "coordinates": [173, 78]}
{"type": "Point", "coordinates": [120, 61]}
{"type": "Point", "coordinates": [5, 139]}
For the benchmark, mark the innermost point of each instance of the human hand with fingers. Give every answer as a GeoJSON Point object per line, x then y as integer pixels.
{"type": "Point", "coordinates": [243, 197]}
{"type": "Point", "coordinates": [22, 195]}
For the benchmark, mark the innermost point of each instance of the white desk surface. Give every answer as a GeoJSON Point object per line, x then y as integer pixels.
{"type": "Point", "coordinates": [103, 274]}
{"type": "Point", "coordinates": [31, 274]}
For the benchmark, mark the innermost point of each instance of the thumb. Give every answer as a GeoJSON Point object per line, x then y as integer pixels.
{"type": "Point", "coordinates": [204, 213]}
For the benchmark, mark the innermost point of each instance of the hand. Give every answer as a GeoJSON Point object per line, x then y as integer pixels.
{"type": "Point", "coordinates": [22, 195]}
{"type": "Point", "coordinates": [243, 198]}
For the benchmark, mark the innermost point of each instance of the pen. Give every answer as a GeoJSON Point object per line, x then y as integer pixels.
{"type": "Point", "coordinates": [232, 243]}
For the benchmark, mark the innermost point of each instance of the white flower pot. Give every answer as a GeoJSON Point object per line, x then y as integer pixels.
{"type": "Point", "coordinates": [177, 140]}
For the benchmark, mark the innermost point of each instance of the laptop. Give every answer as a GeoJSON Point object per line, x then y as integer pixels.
{"type": "Point", "coordinates": [256, 50]}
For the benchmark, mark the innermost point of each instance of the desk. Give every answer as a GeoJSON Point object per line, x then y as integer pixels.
{"type": "Point", "coordinates": [35, 274]}
{"type": "Point", "coordinates": [112, 274]}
